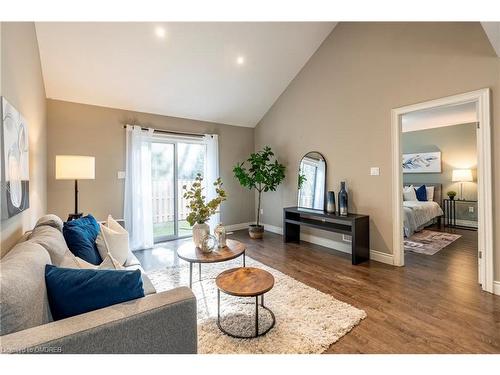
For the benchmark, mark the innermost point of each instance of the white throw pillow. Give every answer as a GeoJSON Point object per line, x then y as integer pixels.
{"type": "Point", "coordinates": [430, 193]}
{"type": "Point", "coordinates": [72, 261]}
{"type": "Point", "coordinates": [409, 193]}
{"type": "Point", "coordinates": [113, 239]}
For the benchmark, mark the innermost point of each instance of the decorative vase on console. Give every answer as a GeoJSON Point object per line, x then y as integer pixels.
{"type": "Point", "coordinates": [343, 200]}
{"type": "Point", "coordinates": [200, 211]}
{"type": "Point", "coordinates": [330, 202]}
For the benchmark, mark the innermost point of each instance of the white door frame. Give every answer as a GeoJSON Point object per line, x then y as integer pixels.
{"type": "Point", "coordinates": [484, 178]}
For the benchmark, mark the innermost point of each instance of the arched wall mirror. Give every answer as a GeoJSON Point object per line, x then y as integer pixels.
{"type": "Point", "coordinates": [312, 181]}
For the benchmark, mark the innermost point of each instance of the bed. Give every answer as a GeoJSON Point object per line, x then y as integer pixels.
{"type": "Point", "coordinates": [417, 214]}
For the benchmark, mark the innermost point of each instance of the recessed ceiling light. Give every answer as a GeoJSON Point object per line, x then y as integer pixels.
{"type": "Point", "coordinates": [240, 60]}
{"type": "Point", "coordinates": [160, 32]}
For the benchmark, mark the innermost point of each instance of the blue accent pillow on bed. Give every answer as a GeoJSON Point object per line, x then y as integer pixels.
{"type": "Point", "coordinates": [76, 291]}
{"type": "Point", "coordinates": [421, 193]}
{"type": "Point", "coordinates": [80, 235]}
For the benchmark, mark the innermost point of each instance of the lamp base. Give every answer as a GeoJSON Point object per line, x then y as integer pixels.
{"type": "Point", "coordinates": [74, 216]}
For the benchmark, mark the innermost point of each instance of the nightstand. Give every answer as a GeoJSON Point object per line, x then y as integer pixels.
{"type": "Point", "coordinates": [450, 215]}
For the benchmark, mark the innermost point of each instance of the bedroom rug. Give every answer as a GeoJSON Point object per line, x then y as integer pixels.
{"type": "Point", "coordinates": [429, 242]}
{"type": "Point", "coordinates": [307, 320]}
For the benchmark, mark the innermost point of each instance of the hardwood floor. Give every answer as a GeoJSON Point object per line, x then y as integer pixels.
{"type": "Point", "coordinates": [432, 305]}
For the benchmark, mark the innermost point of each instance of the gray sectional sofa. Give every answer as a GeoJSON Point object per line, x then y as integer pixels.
{"type": "Point", "coordinates": [157, 323]}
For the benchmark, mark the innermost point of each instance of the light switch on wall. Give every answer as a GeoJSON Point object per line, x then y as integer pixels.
{"type": "Point", "coordinates": [121, 175]}
{"type": "Point", "coordinates": [374, 171]}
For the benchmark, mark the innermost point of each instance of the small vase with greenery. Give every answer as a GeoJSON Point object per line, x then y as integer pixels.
{"type": "Point", "coordinates": [200, 211]}
{"type": "Point", "coordinates": [261, 173]}
{"type": "Point", "coordinates": [451, 194]}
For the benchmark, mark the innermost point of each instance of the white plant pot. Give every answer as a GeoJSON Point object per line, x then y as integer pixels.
{"type": "Point", "coordinates": [199, 232]}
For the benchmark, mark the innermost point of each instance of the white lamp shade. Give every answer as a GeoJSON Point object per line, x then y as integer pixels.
{"type": "Point", "coordinates": [461, 175]}
{"type": "Point", "coordinates": [75, 167]}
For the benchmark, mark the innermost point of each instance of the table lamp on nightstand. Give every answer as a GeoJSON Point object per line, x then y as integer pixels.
{"type": "Point", "coordinates": [461, 175]}
{"type": "Point", "coordinates": [75, 167]}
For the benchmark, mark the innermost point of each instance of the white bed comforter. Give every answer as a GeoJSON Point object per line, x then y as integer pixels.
{"type": "Point", "coordinates": [417, 214]}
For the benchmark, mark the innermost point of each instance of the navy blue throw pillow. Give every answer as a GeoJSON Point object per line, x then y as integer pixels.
{"type": "Point", "coordinates": [80, 235]}
{"type": "Point", "coordinates": [421, 193]}
{"type": "Point", "coordinates": [76, 291]}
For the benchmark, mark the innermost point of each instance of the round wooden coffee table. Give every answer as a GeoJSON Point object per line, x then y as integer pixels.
{"type": "Point", "coordinates": [193, 254]}
{"type": "Point", "coordinates": [245, 282]}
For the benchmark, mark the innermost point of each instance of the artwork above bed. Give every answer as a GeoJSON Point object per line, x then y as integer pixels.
{"type": "Point", "coordinates": [424, 162]}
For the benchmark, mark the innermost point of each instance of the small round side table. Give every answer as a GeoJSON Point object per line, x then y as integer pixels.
{"type": "Point", "coordinates": [245, 282]}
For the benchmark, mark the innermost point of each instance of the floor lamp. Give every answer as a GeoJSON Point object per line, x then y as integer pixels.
{"type": "Point", "coordinates": [74, 167]}
{"type": "Point", "coordinates": [461, 175]}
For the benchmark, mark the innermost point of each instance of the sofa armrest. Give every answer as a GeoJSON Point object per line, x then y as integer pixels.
{"type": "Point", "coordinates": [158, 323]}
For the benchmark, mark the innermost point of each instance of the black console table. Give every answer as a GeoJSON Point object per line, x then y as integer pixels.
{"type": "Point", "coordinates": [356, 226]}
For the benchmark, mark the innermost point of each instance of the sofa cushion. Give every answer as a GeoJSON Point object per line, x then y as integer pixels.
{"type": "Point", "coordinates": [52, 240]}
{"type": "Point", "coordinates": [146, 281]}
{"type": "Point", "coordinates": [109, 263]}
{"type": "Point", "coordinates": [51, 220]}
{"type": "Point", "coordinates": [80, 236]}
{"type": "Point", "coordinates": [23, 296]}
{"type": "Point", "coordinates": [76, 291]}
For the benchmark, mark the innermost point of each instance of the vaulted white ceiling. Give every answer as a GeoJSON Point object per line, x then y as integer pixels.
{"type": "Point", "coordinates": [229, 73]}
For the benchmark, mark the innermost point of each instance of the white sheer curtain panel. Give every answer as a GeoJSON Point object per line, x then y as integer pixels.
{"type": "Point", "coordinates": [319, 190]}
{"type": "Point", "coordinates": [138, 212]}
{"type": "Point", "coordinates": [212, 172]}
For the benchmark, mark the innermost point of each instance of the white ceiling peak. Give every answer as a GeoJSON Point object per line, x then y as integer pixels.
{"type": "Point", "coordinates": [229, 73]}
{"type": "Point", "coordinates": [492, 30]}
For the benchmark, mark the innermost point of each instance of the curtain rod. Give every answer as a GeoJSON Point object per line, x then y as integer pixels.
{"type": "Point", "coordinates": [171, 132]}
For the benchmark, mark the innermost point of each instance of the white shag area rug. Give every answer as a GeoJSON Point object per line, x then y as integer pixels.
{"type": "Point", "coordinates": [307, 320]}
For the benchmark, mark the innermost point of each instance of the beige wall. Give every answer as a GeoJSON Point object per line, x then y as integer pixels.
{"type": "Point", "coordinates": [340, 103]}
{"type": "Point", "coordinates": [98, 131]}
{"type": "Point", "coordinates": [22, 85]}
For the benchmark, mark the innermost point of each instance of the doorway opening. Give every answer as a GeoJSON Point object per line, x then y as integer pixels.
{"type": "Point", "coordinates": [431, 163]}
{"type": "Point", "coordinates": [174, 164]}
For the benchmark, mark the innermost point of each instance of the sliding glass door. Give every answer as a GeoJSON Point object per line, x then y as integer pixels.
{"type": "Point", "coordinates": [174, 163]}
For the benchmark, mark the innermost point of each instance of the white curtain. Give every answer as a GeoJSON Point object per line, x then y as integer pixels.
{"type": "Point", "coordinates": [138, 212]}
{"type": "Point", "coordinates": [319, 190]}
{"type": "Point", "coordinates": [211, 172]}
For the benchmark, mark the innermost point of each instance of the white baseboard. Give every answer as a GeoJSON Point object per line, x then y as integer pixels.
{"type": "Point", "coordinates": [240, 226]}
{"type": "Point", "coordinates": [467, 223]}
{"type": "Point", "coordinates": [273, 228]}
{"type": "Point", "coordinates": [326, 242]}
{"type": "Point", "coordinates": [332, 244]}
{"type": "Point", "coordinates": [496, 288]}
{"type": "Point", "coordinates": [381, 257]}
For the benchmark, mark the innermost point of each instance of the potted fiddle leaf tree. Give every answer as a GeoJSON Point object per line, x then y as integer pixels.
{"type": "Point", "coordinates": [262, 172]}
{"type": "Point", "coordinates": [200, 211]}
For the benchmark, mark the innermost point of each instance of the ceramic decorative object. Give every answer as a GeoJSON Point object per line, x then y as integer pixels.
{"type": "Point", "coordinates": [208, 243]}
{"type": "Point", "coordinates": [220, 234]}
{"type": "Point", "coordinates": [199, 232]}
{"type": "Point", "coordinates": [343, 199]}
{"type": "Point", "coordinates": [330, 202]}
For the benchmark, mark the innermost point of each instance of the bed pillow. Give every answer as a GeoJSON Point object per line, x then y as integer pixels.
{"type": "Point", "coordinates": [409, 193]}
{"type": "Point", "coordinates": [430, 193]}
{"type": "Point", "coordinates": [421, 193]}
{"type": "Point", "coordinates": [76, 291]}
{"type": "Point", "coordinates": [80, 235]}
